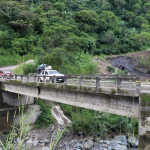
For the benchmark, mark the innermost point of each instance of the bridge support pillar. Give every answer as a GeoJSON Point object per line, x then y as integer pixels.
{"type": "Point", "coordinates": [144, 121]}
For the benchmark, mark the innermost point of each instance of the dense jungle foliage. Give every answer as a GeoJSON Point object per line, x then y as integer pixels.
{"type": "Point", "coordinates": [66, 33]}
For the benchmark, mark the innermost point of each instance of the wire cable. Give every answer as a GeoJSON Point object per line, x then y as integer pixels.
{"type": "Point", "coordinates": [92, 135]}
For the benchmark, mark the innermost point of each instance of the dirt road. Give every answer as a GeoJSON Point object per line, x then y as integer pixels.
{"type": "Point", "coordinates": [15, 66]}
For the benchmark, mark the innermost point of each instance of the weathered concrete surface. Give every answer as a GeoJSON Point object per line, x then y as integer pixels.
{"type": "Point", "coordinates": [31, 116]}
{"type": "Point", "coordinates": [14, 99]}
{"type": "Point", "coordinates": [144, 121]}
{"type": "Point", "coordinates": [116, 104]}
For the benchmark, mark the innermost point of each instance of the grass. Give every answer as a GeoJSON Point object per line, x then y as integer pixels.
{"type": "Point", "coordinates": [6, 60]}
{"type": "Point", "coordinates": [20, 128]}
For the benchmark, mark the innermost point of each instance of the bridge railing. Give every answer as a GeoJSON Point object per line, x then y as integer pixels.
{"type": "Point", "coordinates": [79, 80]}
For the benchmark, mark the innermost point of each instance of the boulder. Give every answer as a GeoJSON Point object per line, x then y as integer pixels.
{"type": "Point", "coordinates": [29, 141]}
{"type": "Point", "coordinates": [94, 148]}
{"type": "Point", "coordinates": [120, 147]}
{"type": "Point", "coordinates": [46, 141]}
{"type": "Point", "coordinates": [45, 148]}
{"type": "Point", "coordinates": [133, 142]}
{"type": "Point", "coordinates": [121, 139]}
{"type": "Point", "coordinates": [88, 144]}
{"type": "Point", "coordinates": [35, 142]}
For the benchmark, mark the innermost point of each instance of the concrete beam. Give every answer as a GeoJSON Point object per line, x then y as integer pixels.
{"type": "Point", "coordinates": [107, 102]}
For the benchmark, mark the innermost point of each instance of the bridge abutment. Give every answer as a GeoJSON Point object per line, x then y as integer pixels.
{"type": "Point", "coordinates": [8, 99]}
{"type": "Point", "coordinates": [144, 121]}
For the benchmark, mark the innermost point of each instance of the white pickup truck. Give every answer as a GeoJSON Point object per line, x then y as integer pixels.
{"type": "Point", "coordinates": [49, 76]}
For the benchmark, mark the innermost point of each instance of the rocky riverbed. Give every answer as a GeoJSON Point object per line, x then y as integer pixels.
{"type": "Point", "coordinates": [40, 139]}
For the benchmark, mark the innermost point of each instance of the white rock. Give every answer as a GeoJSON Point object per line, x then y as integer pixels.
{"type": "Point", "coordinates": [88, 144]}
{"type": "Point", "coordinates": [46, 141]}
{"type": "Point", "coordinates": [134, 142]}
{"type": "Point", "coordinates": [101, 141]}
{"type": "Point", "coordinates": [27, 138]}
{"type": "Point", "coordinates": [35, 142]}
{"type": "Point", "coordinates": [45, 148]}
{"type": "Point", "coordinates": [29, 141]}
{"type": "Point", "coordinates": [18, 140]}
{"type": "Point", "coordinates": [121, 139]}
{"type": "Point", "coordinates": [42, 144]}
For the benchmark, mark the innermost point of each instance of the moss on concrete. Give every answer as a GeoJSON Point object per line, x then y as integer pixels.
{"type": "Point", "coordinates": [31, 83]}
{"type": "Point", "coordinates": [122, 91]}
{"type": "Point", "coordinates": [70, 87]}
{"type": "Point", "coordinates": [41, 84]}
{"type": "Point", "coordinates": [15, 81]}
{"type": "Point", "coordinates": [100, 90]}
{"type": "Point", "coordinates": [145, 100]}
{"type": "Point", "coordinates": [113, 91]}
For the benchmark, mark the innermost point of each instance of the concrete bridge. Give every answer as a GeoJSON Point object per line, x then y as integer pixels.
{"type": "Point", "coordinates": [122, 95]}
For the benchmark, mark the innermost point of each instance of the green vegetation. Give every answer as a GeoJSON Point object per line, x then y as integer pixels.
{"type": "Point", "coordinates": [99, 121]}
{"type": "Point", "coordinates": [119, 72]}
{"type": "Point", "coordinates": [18, 129]}
{"type": "Point", "coordinates": [110, 69]}
{"type": "Point", "coordinates": [113, 91]}
{"type": "Point", "coordinates": [14, 59]}
{"type": "Point", "coordinates": [46, 118]}
{"type": "Point", "coordinates": [145, 100]}
{"type": "Point", "coordinates": [25, 68]}
{"type": "Point", "coordinates": [66, 34]}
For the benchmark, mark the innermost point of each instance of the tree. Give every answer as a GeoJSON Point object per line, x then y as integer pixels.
{"type": "Point", "coordinates": [59, 6]}
{"type": "Point", "coordinates": [135, 2]}
{"type": "Point", "coordinates": [136, 8]}
{"type": "Point", "coordinates": [119, 3]}
{"type": "Point", "coordinates": [146, 1]}
{"type": "Point", "coordinates": [142, 38]}
{"type": "Point", "coordinates": [140, 20]}
{"type": "Point", "coordinates": [147, 6]}
{"type": "Point", "coordinates": [107, 20]}
{"type": "Point", "coordinates": [110, 38]}
{"type": "Point", "coordinates": [86, 16]}
{"type": "Point", "coordinates": [129, 15]}
{"type": "Point", "coordinates": [145, 28]}
{"type": "Point", "coordinates": [147, 17]}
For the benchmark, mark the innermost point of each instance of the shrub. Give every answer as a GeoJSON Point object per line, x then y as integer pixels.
{"type": "Point", "coordinates": [25, 68]}
{"type": "Point", "coordinates": [110, 68]}
{"type": "Point", "coordinates": [90, 122]}
{"type": "Point", "coordinates": [46, 118]}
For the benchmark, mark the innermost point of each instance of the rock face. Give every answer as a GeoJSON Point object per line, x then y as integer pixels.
{"type": "Point", "coordinates": [60, 117]}
{"type": "Point", "coordinates": [127, 63]}
{"type": "Point", "coordinates": [135, 63]}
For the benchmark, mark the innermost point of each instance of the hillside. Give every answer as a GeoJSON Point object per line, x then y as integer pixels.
{"type": "Point", "coordinates": [67, 33]}
{"type": "Point", "coordinates": [136, 63]}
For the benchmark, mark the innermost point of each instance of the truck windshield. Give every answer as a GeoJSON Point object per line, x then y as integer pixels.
{"type": "Point", "coordinates": [54, 72]}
